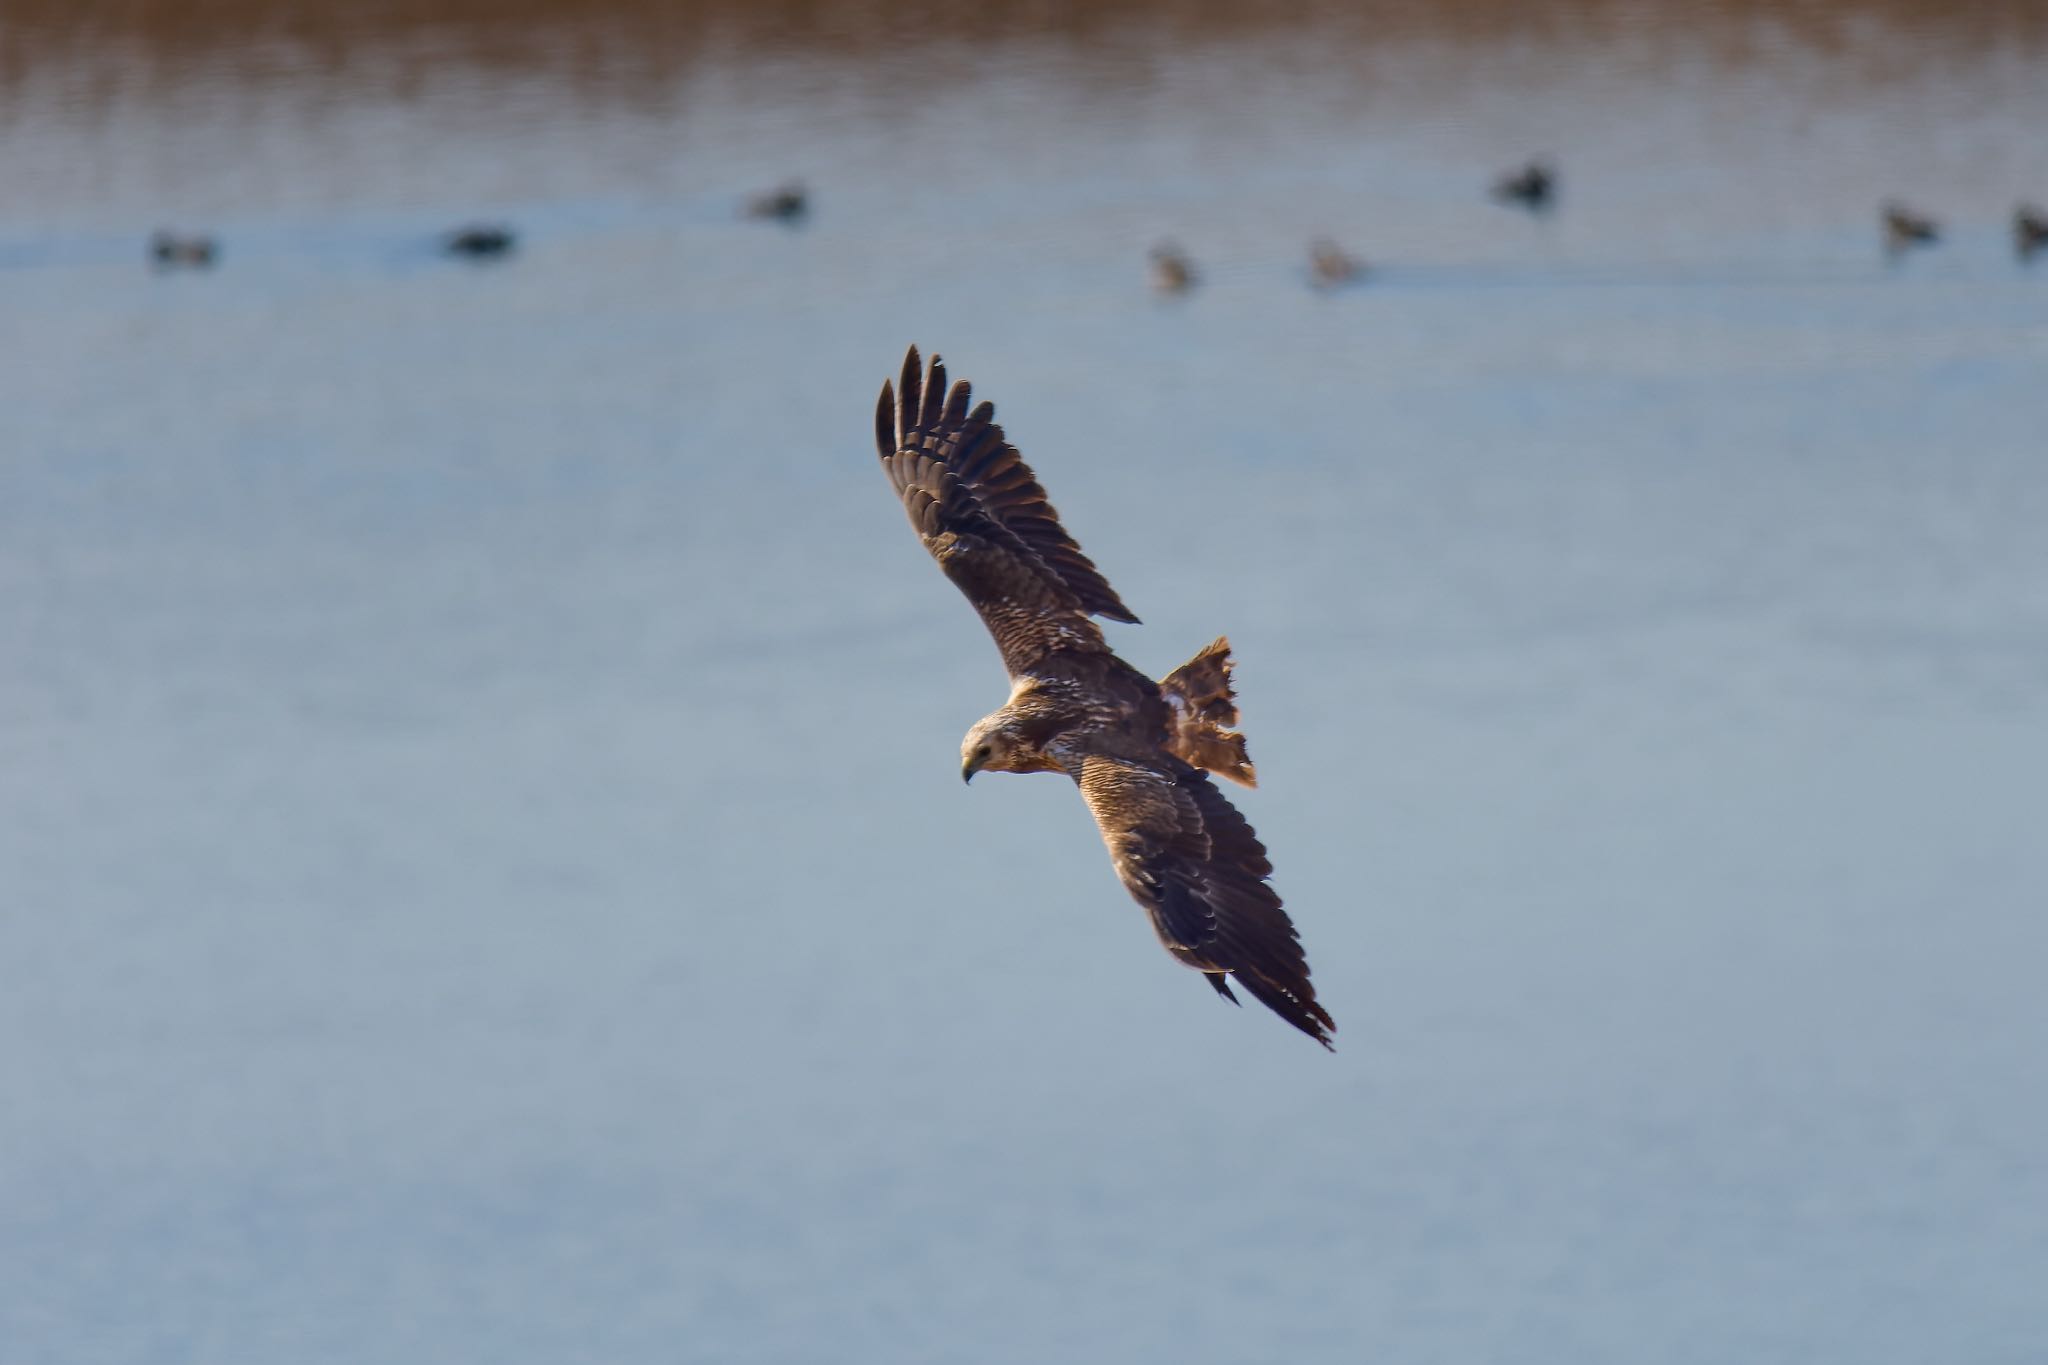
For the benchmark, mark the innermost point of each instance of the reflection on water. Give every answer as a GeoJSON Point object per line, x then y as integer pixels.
{"type": "Point", "coordinates": [485, 870]}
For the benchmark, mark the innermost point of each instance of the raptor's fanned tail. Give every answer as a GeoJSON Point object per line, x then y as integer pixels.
{"type": "Point", "coordinates": [1203, 707]}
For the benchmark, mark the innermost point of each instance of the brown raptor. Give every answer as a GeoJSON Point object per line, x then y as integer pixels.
{"type": "Point", "coordinates": [1140, 751]}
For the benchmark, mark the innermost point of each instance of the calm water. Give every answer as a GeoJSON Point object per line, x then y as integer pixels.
{"type": "Point", "coordinates": [483, 875]}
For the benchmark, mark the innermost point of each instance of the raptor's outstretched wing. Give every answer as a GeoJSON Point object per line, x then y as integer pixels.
{"type": "Point", "coordinates": [983, 516]}
{"type": "Point", "coordinates": [1188, 857]}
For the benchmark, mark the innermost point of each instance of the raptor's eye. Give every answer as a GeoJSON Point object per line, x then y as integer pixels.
{"type": "Point", "coordinates": [981, 753]}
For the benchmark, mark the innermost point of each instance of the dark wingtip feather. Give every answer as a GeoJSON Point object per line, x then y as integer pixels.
{"type": "Point", "coordinates": [931, 414]}
{"type": "Point", "coordinates": [885, 421]}
{"type": "Point", "coordinates": [1221, 983]}
{"type": "Point", "coordinates": [1305, 1014]}
{"type": "Point", "coordinates": [907, 395]}
{"type": "Point", "coordinates": [956, 405]}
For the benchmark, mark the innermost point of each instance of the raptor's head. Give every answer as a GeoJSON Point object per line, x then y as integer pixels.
{"type": "Point", "coordinates": [994, 744]}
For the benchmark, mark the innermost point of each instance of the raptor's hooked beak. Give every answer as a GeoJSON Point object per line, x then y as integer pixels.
{"type": "Point", "coordinates": [968, 768]}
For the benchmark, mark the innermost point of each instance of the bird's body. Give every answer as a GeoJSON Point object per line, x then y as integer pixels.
{"type": "Point", "coordinates": [1172, 271]}
{"type": "Point", "coordinates": [788, 203]}
{"type": "Point", "coordinates": [1533, 187]}
{"type": "Point", "coordinates": [1330, 266]}
{"type": "Point", "coordinates": [2029, 231]}
{"type": "Point", "coordinates": [480, 242]}
{"type": "Point", "coordinates": [1905, 229]}
{"type": "Point", "coordinates": [1140, 751]}
{"type": "Point", "coordinates": [173, 252]}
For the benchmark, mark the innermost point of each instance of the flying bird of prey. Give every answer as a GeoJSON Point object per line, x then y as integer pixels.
{"type": "Point", "coordinates": [1140, 751]}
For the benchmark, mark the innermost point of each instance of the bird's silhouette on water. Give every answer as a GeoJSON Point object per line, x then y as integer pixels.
{"type": "Point", "coordinates": [480, 242]}
{"type": "Point", "coordinates": [1533, 187]}
{"type": "Point", "coordinates": [2029, 231]}
{"type": "Point", "coordinates": [1172, 271]}
{"type": "Point", "coordinates": [1330, 266]}
{"type": "Point", "coordinates": [170, 251]}
{"type": "Point", "coordinates": [1905, 229]}
{"type": "Point", "coordinates": [789, 203]}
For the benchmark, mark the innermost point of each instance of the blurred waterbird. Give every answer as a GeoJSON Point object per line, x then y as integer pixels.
{"type": "Point", "coordinates": [1172, 271]}
{"type": "Point", "coordinates": [787, 203]}
{"type": "Point", "coordinates": [2029, 231]}
{"type": "Point", "coordinates": [1330, 266]}
{"type": "Point", "coordinates": [1904, 229]}
{"type": "Point", "coordinates": [172, 252]}
{"type": "Point", "coordinates": [1533, 187]}
{"type": "Point", "coordinates": [480, 241]}
{"type": "Point", "coordinates": [1140, 751]}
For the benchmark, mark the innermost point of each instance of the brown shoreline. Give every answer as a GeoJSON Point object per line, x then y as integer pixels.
{"type": "Point", "coordinates": [261, 39]}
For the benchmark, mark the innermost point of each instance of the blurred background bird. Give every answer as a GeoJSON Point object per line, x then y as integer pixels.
{"type": "Point", "coordinates": [1172, 271]}
{"type": "Point", "coordinates": [1330, 266]}
{"type": "Point", "coordinates": [480, 241]}
{"type": "Point", "coordinates": [2029, 230]}
{"type": "Point", "coordinates": [788, 203]}
{"type": "Point", "coordinates": [1906, 228]}
{"type": "Point", "coordinates": [171, 251]}
{"type": "Point", "coordinates": [1532, 187]}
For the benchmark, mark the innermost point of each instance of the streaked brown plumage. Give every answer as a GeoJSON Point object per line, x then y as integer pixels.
{"type": "Point", "coordinates": [1140, 751]}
